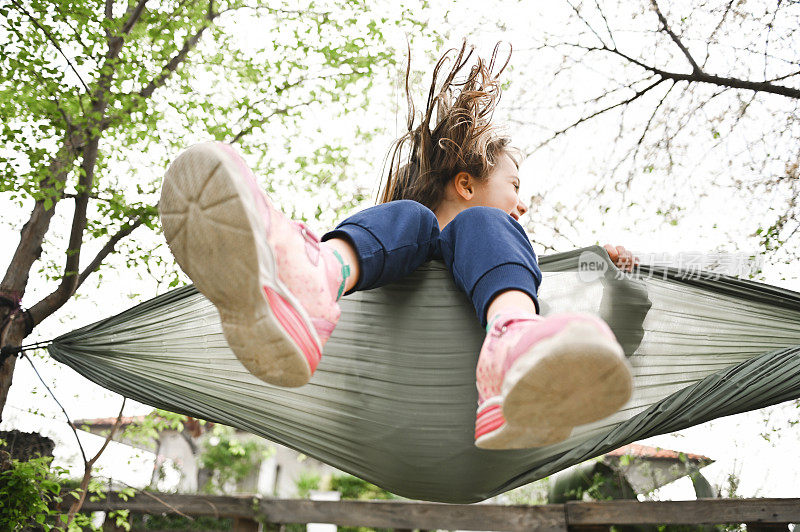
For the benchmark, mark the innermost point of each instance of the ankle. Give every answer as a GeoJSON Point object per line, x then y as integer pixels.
{"type": "Point", "coordinates": [509, 302]}
{"type": "Point", "coordinates": [344, 262]}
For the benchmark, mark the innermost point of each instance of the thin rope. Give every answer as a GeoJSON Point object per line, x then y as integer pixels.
{"type": "Point", "coordinates": [69, 420]}
{"type": "Point", "coordinates": [9, 351]}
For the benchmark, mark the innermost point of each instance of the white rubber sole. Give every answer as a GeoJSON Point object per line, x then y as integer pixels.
{"type": "Point", "coordinates": [511, 437]}
{"type": "Point", "coordinates": [219, 239]}
{"type": "Point", "coordinates": [577, 376]}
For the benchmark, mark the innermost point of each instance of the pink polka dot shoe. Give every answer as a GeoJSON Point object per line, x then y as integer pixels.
{"type": "Point", "coordinates": [539, 377]}
{"type": "Point", "coordinates": [274, 285]}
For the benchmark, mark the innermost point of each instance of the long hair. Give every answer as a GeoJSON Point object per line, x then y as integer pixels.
{"type": "Point", "coordinates": [461, 139]}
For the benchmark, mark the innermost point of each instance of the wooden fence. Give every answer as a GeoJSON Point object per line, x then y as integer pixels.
{"type": "Point", "coordinates": [247, 512]}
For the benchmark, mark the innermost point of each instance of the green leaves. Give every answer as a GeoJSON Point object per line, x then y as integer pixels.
{"type": "Point", "coordinates": [229, 458]}
{"type": "Point", "coordinates": [26, 490]}
{"type": "Point", "coordinates": [261, 75]}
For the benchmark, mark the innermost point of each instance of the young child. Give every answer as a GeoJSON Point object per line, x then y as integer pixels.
{"type": "Point", "coordinates": [453, 197]}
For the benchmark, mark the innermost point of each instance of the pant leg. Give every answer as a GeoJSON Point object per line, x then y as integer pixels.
{"type": "Point", "coordinates": [488, 252]}
{"type": "Point", "coordinates": [391, 240]}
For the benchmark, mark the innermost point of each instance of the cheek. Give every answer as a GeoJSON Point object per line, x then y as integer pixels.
{"type": "Point", "coordinates": [513, 200]}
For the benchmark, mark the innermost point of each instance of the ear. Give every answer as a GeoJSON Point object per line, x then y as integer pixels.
{"type": "Point", "coordinates": [464, 184]}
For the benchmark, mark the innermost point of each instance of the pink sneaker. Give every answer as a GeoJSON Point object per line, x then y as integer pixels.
{"type": "Point", "coordinates": [274, 285]}
{"type": "Point", "coordinates": [539, 377]}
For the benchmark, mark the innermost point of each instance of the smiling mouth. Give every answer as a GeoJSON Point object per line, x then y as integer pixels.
{"type": "Point", "coordinates": [515, 216]}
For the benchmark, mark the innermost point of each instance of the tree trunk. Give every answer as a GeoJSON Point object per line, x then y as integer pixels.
{"type": "Point", "coordinates": [12, 332]}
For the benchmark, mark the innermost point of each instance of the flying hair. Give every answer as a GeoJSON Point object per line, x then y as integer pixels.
{"type": "Point", "coordinates": [455, 133]}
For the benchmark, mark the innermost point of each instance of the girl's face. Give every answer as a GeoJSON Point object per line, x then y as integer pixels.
{"type": "Point", "coordinates": [501, 188]}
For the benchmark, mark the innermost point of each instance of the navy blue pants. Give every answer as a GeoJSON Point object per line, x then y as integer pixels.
{"type": "Point", "coordinates": [486, 250]}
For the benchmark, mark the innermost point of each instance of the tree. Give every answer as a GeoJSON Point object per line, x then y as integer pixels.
{"type": "Point", "coordinates": [97, 96]}
{"type": "Point", "coordinates": [690, 96]}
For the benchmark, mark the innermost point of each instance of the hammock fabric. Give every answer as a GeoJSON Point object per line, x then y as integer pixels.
{"type": "Point", "coordinates": [393, 400]}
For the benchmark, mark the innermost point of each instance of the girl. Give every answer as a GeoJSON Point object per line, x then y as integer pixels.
{"type": "Point", "coordinates": [451, 194]}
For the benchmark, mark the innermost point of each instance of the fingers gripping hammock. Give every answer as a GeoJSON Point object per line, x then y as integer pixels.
{"type": "Point", "coordinates": [393, 400]}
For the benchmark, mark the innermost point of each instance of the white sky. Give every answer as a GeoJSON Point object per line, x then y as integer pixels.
{"type": "Point", "coordinates": [767, 468]}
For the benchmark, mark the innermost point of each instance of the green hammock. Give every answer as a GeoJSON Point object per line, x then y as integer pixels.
{"type": "Point", "coordinates": [394, 398]}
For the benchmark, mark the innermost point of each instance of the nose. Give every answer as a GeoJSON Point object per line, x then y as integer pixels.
{"type": "Point", "coordinates": [521, 208]}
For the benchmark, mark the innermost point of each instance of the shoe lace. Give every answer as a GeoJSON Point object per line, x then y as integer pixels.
{"type": "Point", "coordinates": [308, 234]}
{"type": "Point", "coordinates": [502, 325]}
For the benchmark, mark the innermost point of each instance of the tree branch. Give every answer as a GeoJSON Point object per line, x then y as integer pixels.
{"type": "Point", "coordinates": [575, 124]}
{"type": "Point", "coordinates": [89, 464]}
{"type": "Point", "coordinates": [133, 16]}
{"type": "Point", "coordinates": [107, 250]}
{"type": "Point", "coordinates": [665, 26]}
{"type": "Point", "coordinates": [702, 77]}
{"type": "Point", "coordinates": [283, 111]}
{"type": "Point", "coordinates": [786, 76]}
{"type": "Point", "coordinates": [69, 281]}
{"type": "Point", "coordinates": [586, 23]}
{"type": "Point", "coordinates": [32, 234]}
{"type": "Point", "coordinates": [55, 100]}
{"type": "Point", "coordinates": [605, 20]}
{"type": "Point", "coordinates": [178, 58]}
{"type": "Point", "coordinates": [52, 40]}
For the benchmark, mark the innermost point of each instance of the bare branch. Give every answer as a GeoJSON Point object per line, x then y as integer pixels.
{"type": "Point", "coordinates": [52, 40]}
{"type": "Point", "coordinates": [665, 26]}
{"type": "Point", "coordinates": [637, 94]}
{"type": "Point", "coordinates": [586, 23]}
{"type": "Point", "coordinates": [779, 78]}
{"type": "Point", "coordinates": [107, 249]}
{"type": "Point", "coordinates": [770, 25]}
{"type": "Point", "coordinates": [110, 435]}
{"type": "Point", "coordinates": [605, 20]}
{"type": "Point", "coordinates": [702, 77]}
{"type": "Point", "coordinates": [721, 22]}
{"type": "Point", "coordinates": [89, 464]}
{"type": "Point", "coordinates": [647, 128]}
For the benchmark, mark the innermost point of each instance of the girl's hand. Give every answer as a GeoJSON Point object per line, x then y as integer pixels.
{"type": "Point", "coordinates": [621, 257]}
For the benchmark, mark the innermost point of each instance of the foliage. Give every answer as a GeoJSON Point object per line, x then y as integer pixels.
{"type": "Point", "coordinates": [94, 101]}
{"type": "Point", "coordinates": [147, 429]}
{"type": "Point", "coordinates": [533, 493]}
{"type": "Point", "coordinates": [229, 459]}
{"type": "Point", "coordinates": [26, 490]}
{"type": "Point", "coordinates": [307, 482]}
{"type": "Point", "coordinates": [30, 490]}
{"type": "Point", "coordinates": [349, 487]}
{"type": "Point", "coordinates": [352, 487]}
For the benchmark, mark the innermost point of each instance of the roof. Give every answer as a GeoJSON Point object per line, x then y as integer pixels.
{"type": "Point", "coordinates": [192, 425]}
{"type": "Point", "coordinates": [645, 451]}
{"type": "Point", "coordinates": [108, 421]}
